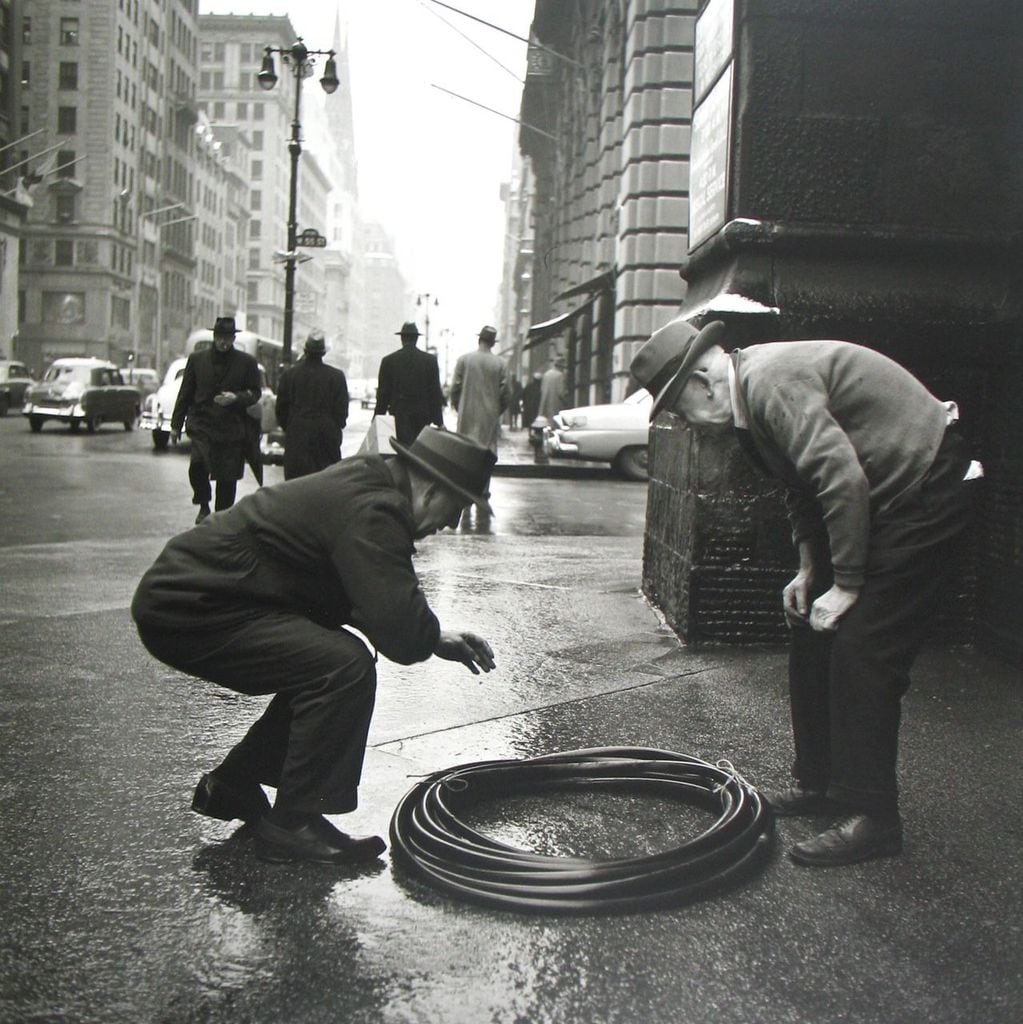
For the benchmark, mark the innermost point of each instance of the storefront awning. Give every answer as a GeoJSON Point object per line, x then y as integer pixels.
{"type": "Point", "coordinates": [555, 326]}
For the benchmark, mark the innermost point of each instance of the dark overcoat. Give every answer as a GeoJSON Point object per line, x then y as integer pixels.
{"type": "Point", "coordinates": [334, 547]}
{"type": "Point", "coordinates": [225, 436]}
{"type": "Point", "coordinates": [408, 387]}
{"type": "Point", "coordinates": [312, 409]}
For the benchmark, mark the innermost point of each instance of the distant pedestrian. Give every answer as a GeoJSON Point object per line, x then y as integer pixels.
{"type": "Point", "coordinates": [312, 409]}
{"type": "Point", "coordinates": [259, 600]}
{"type": "Point", "coordinates": [876, 475]}
{"type": "Point", "coordinates": [480, 391]}
{"type": "Point", "coordinates": [531, 400]}
{"type": "Point", "coordinates": [515, 404]}
{"type": "Point", "coordinates": [553, 391]}
{"type": "Point", "coordinates": [408, 387]}
{"type": "Point", "coordinates": [219, 385]}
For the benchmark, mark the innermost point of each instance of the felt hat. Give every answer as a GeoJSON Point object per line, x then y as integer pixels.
{"type": "Point", "coordinates": [225, 325]}
{"type": "Point", "coordinates": [666, 361]}
{"type": "Point", "coordinates": [488, 333]}
{"type": "Point", "coordinates": [456, 461]}
{"type": "Point", "coordinates": [408, 330]}
{"type": "Point", "coordinates": [316, 344]}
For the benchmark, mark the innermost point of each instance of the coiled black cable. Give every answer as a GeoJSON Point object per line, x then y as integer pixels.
{"type": "Point", "coordinates": [429, 838]}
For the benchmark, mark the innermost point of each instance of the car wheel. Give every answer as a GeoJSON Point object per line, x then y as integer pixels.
{"type": "Point", "coordinates": [92, 422]}
{"type": "Point", "coordinates": [160, 440]}
{"type": "Point", "coordinates": [129, 424]}
{"type": "Point", "coordinates": [73, 425]}
{"type": "Point", "coordinates": [631, 463]}
{"type": "Point", "coordinates": [5, 404]}
{"type": "Point", "coordinates": [35, 423]}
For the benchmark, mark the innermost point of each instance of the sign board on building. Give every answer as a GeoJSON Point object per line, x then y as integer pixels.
{"type": "Point", "coordinates": [305, 303]}
{"type": "Point", "coordinates": [713, 45]}
{"type": "Point", "coordinates": [311, 238]}
{"type": "Point", "coordinates": [539, 62]}
{"type": "Point", "coordinates": [708, 162]}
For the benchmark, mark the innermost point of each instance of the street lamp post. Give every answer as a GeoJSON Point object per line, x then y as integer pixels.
{"type": "Point", "coordinates": [426, 316]}
{"type": "Point", "coordinates": [301, 60]}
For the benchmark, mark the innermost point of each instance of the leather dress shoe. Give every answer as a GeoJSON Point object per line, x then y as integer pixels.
{"type": "Point", "coordinates": [851, 840]}
{"type": "Point", "coordinates": [217, 798]}
{"type": "Point", "coordinates": [315, 841]}
{"type": "Point", "coordinates": [795, 802]}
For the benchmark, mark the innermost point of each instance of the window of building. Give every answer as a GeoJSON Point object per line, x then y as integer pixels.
{"type": "Point", "coordinates": [67, 120]}
{"type": "Point", "coordinates": [26, 74]}
{"type": "Point", "coordinates": [64, 209]}
{"type": "Point", "coordinates": [253, 291]}
{"type": "Point", "coordinates": [23, 125]}
{"type": "Point", "coordinates": [218, 79]}
{"type": "Point", "coordinates": [256, 200]}
{"type": "Point", "coordinates": [68, 76]}
{"type": "Point", "coordinates": [206, 54]}
{"type": "Point", "coordinates": [255, 229]}
{"type": "Point", "coordinates": [257, 170]}
{"type": "Point", "coordinates": [257, 140]}
{"type": "Point", "coordinates": [64, 252]}
{"type": "Point", "coordinates": [204, 79]}
{"type": "Point", "coordinates": [253, 259]}
{"type": "Point", "coordinates": [26, 31]}
{"type": "Point", "coordinates": [218, 52]}
{"type": "Point", "coordinates": [246, 52]}
{"type": "Point", "coordinates": [65, 163]}
{"type": "Point", "coordinates": [218, 111]}
{"type": "Point", "coordinates": [68, 31]}
{"type": "Point", "coordinates": [257, 111]}
{"type": "Point", "coordinates": [242, 111]}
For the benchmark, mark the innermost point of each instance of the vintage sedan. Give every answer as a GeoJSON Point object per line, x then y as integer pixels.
{"type": "Point", "coordinates": [80, 391]}
{"type": "Point", "coordinates": [617, 433]}
{"type": "Point", "coordinates": [15, 379]}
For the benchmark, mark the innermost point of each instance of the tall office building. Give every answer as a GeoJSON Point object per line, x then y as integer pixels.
{"type": "Point", "coordinates": [109, 88]}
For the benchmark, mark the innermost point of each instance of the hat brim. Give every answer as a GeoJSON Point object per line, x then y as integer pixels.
{"type": "Point", "coordinates": [475, 499]}
{"type": "Point", "coordinates": [709, 336]}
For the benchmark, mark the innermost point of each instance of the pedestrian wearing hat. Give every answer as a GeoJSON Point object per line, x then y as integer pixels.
{"type": "Point", "coordinates": [218, 386]}
{"type": "Point", "coordinates": [408, 387]}
{"type": "Point", "coordinates": [260, 600]}
{"type": "Point", "coordinates": [553, 390]}
{"type": "Point", "coordinates": [878, 494]}
{"type": "Point", "coordinates": [480, 391]}
{"type": "Point", "coordinates": [312, 409]}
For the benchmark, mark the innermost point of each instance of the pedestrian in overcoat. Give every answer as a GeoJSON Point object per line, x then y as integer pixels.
{"type": "Point", "coordinates": [259, 599]}
{"type": "Point", "coordinates": [879, 488]}
{"type": "Point", "coordinates": [408, 387]}
{"type": "Point", "coordinates": [218, 387]}
{"type": "Point", "coordinates": [480, 391]}
{"type": "Point", "coordinates": [553, 391]}
{"type": "Point", "coordinates": [312, 409]}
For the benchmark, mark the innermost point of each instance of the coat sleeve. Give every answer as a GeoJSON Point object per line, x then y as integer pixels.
{"type": "Point", "coordinates": [186, 395]}
{"type": "Point", "coordinates": [384, 387]}
{"type": "Point", "coordinates": [251, 389]}
{"type": "Point", "coordinates": [455, 393]}
{"type": "Point", "coordinates": [342, 399]}
{"type": "Point", "coordinates": [837, 488]}
{"type": "Point", "coordinates": [436, 394]}
{"type": "Point", "coordinates": [373, 558]}
{"type": "Point", "coordinates": [282, 406]}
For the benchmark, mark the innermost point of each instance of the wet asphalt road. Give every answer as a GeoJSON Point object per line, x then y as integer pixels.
{"type": "Point", "coordinates": [118, 904]}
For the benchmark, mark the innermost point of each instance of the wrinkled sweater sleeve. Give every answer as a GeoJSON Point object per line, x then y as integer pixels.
{"type": "Point", "coordinates": [374, 561]}
{"type": "Point", "coordinates": [824, 457]}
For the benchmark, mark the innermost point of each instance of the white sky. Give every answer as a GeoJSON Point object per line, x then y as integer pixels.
{"type": "Point", "coordinates": [430, 165]}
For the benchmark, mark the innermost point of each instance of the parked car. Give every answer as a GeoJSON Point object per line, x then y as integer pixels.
{"type": "Point", "coordinates": [15, 380]}
{"type": "Point", "coordinates": [159, 408]}
{"type": "Point", "coordinates": [144, 378]}
{"type": "Point", "coordinates": [82, 390]}
{"type": "Point", "coordinates": [617, 433]}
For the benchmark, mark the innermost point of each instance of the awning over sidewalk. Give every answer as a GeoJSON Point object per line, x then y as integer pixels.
{"type": "Point", "coordinates": [551, 328]}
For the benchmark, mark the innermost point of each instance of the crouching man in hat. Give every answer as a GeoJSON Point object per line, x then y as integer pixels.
{"type": "Point", "coordinates": [878, 492]}
{"type": "Point", "coordinates": [218, 386]}
{"type": "Point", "coordinates": [257, 600]}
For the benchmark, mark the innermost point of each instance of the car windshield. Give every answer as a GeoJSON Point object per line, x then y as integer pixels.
{"type": "Point", "coordinates": [68, 374]}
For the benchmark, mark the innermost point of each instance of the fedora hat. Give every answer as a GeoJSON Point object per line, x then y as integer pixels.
{"type": "Point", "coordinates": [316, 344]}
{"type": "Point", "coordinates": [408, 330]}
{"type": "Point", "coordinates": [225, 325]}
{"type": "Point", "coordinates": [488, 333]}
{"type": "Point", "coordinates": [668, 358]}
{"type": "Point", "coordinates": [456, 461]}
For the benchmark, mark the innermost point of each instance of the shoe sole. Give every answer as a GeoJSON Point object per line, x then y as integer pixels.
{"type": "Point", "coordinates": [203, 802]}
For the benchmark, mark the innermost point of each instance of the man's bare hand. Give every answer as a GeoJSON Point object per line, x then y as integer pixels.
{"type": "Point", "coordinates": [828, 609]}
{"type": "Point", "coordinates": [468, 648]}
{"type": "Point", "coordinates": [795, 598]}
{"type": "Point", "coordinates": [225, 398]}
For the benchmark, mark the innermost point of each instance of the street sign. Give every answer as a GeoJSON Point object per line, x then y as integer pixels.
{"type": "Point", "coordinates": [312, 239]}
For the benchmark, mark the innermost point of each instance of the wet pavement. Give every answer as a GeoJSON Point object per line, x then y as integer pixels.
{"type": "Point", "coordinates": [119, 904]}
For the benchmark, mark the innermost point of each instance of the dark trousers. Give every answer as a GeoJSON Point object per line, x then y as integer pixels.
{"type": "Point", "coordinates": [311, 739]}
{"type": "Point", "coordinates": [846, 687]}
{"type": "Point", "coordinates": [202, 492]}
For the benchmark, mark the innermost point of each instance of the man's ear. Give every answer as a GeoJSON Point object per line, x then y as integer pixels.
{"type": "Point", "coordinates": [702, 378]}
